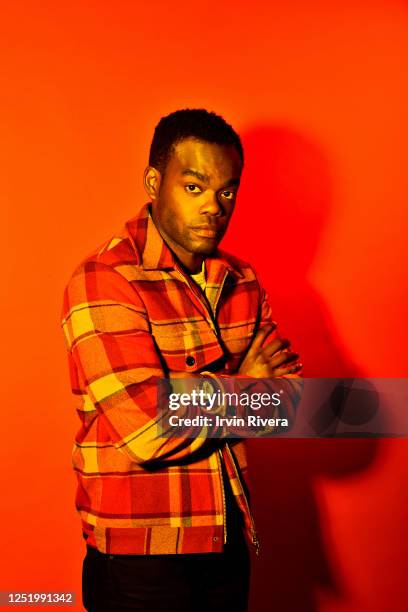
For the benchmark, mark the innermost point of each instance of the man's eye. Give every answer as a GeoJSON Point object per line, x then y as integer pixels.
{"type": "Point", "coordinates": [191, 188]}
{"type": "Point", "coordinates": [229, 195]}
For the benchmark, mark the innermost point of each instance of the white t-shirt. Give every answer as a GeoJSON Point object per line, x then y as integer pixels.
{"type": "Point", "coordinates": [199, 278]}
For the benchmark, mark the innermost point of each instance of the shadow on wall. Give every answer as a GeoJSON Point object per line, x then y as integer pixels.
{"type": "Point", "coordinates": [284, 203]}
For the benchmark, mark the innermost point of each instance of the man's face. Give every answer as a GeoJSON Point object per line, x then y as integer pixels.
{"type": "Point", "coordinates": [196, 198]}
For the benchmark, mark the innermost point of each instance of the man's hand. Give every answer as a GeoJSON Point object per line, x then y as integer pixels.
{"type": "Point", "coordinates": [275, 359]}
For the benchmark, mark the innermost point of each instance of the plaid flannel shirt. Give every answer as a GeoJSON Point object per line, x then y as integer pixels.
{"type": "Point", "coordinates": [131, 316]}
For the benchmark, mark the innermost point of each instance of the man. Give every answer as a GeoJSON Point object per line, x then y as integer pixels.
{"type": "Point", "coordinates": [164, 518]}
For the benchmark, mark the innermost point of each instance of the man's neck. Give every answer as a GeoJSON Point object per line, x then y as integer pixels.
{"type": "Point", "coordinates": [194, 267]}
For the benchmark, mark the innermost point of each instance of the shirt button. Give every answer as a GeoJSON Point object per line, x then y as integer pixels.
{"type": "Point", "coordinates": [190, 361]}
{"type": "Point", "coordinates": [215, 539]}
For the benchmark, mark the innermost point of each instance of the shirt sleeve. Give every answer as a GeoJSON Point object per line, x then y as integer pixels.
{"type": "Point", "coordinates": [117, 365]}
{"type": "Point", "coordinates": [289, 386]}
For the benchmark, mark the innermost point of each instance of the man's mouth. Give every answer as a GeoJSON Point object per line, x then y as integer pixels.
{"type": "Point", "coordinates": [205, 231]}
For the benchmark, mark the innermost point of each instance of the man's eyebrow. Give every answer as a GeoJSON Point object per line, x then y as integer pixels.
{"type": "Point", "coordinates": [234, 182]}
{"type": "Point", "coordinates": [202, 177]}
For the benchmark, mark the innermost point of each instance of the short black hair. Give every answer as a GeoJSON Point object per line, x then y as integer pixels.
{"type": "Point", "coordinates": [190, 123]}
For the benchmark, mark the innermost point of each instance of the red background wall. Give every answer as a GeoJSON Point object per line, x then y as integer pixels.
{"type": "Point", "coordinates": [318, 91]}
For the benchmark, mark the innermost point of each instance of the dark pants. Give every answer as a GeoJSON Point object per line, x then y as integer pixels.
{"type": "Point", "coordinates": [179, 583]}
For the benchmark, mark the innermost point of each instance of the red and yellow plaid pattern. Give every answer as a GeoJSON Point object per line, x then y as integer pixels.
{"type": "Point", "coordinates": [131, 316]}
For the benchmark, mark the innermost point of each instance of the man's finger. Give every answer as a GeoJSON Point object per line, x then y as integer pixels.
{"type": "Point", "coordinates": [282, 371]}
{"type": "Point", "coordinates": [281, 358]}
{"type": "Point", "coordinates": [273, 347]}
{"type": "Point", "coordinates": [261, 336]}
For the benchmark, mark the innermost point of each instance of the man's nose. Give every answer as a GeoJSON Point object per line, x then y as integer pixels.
{"type": "Point", "coordinates": [211, 206]}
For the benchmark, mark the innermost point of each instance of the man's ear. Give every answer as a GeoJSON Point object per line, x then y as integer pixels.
{"type": "Point", "coordinates": [151, 181]}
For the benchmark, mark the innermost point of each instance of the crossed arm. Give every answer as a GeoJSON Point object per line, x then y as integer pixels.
{"type": "Point", "coordinates": [116, 365]}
